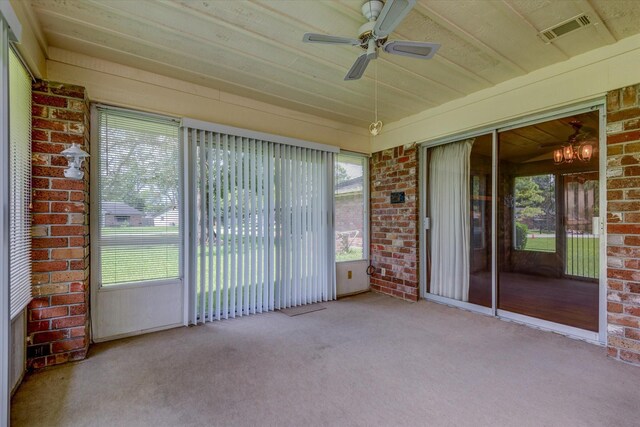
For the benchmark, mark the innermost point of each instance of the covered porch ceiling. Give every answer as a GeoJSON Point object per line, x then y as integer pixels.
{"type": "Point", "coordinates": [254, 48]}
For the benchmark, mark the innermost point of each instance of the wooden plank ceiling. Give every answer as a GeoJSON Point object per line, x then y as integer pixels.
{"type": "Point", "coordinates": [254, 48]}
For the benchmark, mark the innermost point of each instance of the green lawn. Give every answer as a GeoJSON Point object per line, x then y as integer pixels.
{"type": "Point", "coordinates": [354, 254]}
{"type": "Point", "coordinates": [123, 265]}
{"type": "Point", "coordinates": [120, 265]}
{"type": "Point", "coordinates": [543, 244]}
{"type": "Point", "coordinates": [583, 253]}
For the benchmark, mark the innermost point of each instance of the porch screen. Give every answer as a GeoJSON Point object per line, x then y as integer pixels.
{"type": "Point", "coordinates": [138, 203]}
{"type": "Point", "coordinates": [263, 221]}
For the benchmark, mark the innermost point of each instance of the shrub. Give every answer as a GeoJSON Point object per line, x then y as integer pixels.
{"type": "Point", "coordinates": [521, 236]}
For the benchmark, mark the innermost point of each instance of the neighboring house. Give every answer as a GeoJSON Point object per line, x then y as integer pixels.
{"type": "Point", "coordinates": [121, 214]}
{"type": "Point", "coordinates": [169, 218]}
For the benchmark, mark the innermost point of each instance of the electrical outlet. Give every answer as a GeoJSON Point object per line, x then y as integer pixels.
{"type": "Point", "coordinates": [349, 274]}
{"type": "Point", "coordinates": [383, 271]}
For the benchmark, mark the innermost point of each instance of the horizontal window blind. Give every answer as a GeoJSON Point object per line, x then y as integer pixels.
{"type": "Point", "coordinates": [19, 185]}
{"type": "Point", "coordinates": [263, 224]}
{"type": "Point", "coordinates": [139, 199]}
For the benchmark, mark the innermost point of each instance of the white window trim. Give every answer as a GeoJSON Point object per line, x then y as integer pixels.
{"type": "Point", "coordinates": [366, 201]}
{"type": "Point", "coordinates": [96, 265]}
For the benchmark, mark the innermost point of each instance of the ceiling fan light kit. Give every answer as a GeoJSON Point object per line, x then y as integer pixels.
{"type": "Point", "coordinates": [575, 149]}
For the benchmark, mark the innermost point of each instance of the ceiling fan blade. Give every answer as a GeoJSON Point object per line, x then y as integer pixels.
{"type": "Point", "coordinates": [420, 50]}
{"type": "Point", "coordinates": [552, 144]}
{"type": "Point", "coordinates": [323, 38]}
{"type": "Point", "coordinates": [358, 67]}
{"type": "Point", "coordinates": [390, 16]}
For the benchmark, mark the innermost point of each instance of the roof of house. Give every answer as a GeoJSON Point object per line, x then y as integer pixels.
{"type": "Point", "coordinates": [349, 186]}
{"type": "Point", "coordinates": [119, 208]}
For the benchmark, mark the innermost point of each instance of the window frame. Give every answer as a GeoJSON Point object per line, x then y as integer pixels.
{"type": "Point", "coordinates": [95, 227]}
{"type": "Point", "coordinates": [365, 200]}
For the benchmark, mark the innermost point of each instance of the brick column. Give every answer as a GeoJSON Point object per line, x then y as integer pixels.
{"type": "Point", "coordinates": [58, 316]}
{"type": "Point", "coordinates": [394, 227]}
{"type": "Point", "coordinates": [623, 216]}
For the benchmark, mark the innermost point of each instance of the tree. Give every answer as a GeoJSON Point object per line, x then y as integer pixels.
{"type": "Point", "coordinates": [135, 169]}
{"type": "Point", "coordinates": [547, 184]}
{"type": "Point", "coordinates": [341, 174]}
{"type": "Point", "coordinates": [528, 197]}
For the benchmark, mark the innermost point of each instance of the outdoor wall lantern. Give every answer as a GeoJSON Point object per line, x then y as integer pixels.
{"type": "Point", "coordinates": [75, 155]}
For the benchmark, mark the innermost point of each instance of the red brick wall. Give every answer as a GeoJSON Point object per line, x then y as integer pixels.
{"type": "Point", "coordinates": [394, 227]}
{"type": "Point", "coordinates": [623, 216]}
{"type": "Point", "coordinates": [58, 321]}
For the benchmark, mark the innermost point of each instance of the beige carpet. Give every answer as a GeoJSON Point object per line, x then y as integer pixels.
{"type": "Point", "coordinates": [368, 360]}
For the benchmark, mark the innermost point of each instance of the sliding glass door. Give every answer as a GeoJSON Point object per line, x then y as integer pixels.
{"type": "Point", "coordinates": [512, 223]}
{"type": "Point", "coordinates": [548, 221]}
{"type": "Point", "coordinates": [261, 219]}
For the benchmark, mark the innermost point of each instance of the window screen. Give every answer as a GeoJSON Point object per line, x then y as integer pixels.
{"type": "Point", "coordinates": [350, 207]}
{"type": "Point", "coordinates": [19, 185]}
{"type": "Point", "coordinates": [138, 184]}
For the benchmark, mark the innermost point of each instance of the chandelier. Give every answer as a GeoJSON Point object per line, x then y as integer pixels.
{"type": "Point", "coordinates": [577, 147]}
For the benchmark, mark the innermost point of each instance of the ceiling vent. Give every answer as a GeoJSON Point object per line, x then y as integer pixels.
{"type": "Point", "coordinates": [564, 28]}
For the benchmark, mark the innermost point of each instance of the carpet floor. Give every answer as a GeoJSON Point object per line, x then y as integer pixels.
{"type": "Point", "coordinates": [368, 360]}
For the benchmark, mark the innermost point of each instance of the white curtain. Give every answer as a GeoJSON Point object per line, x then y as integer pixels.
{"type": "Point", "coordinates": [449, 204]}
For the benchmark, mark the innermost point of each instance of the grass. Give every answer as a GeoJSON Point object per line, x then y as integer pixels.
{"type": "Point", "coordinates": [353, 254]}
{"type": "Point", "coordinates": [141, 263]}
{"type": "Point", "coordinates": [541, 244]}
{"type": "Point", "coordinates": [123, 265]}
{"type": "Point", "coordinates": [583, 254]}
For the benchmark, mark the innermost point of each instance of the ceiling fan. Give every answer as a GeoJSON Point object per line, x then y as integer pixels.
{"type": "Point", "coordinates": [580, 145]}
{"type": "Point", "coordinates": [383, 19]}
{"type": "Point", "coordinates": [580, 134]}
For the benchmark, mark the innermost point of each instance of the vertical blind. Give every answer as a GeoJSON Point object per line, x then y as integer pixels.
{"type": "Point", "coordinates": [263, 225]}
{"type": "Point", "coordinates": [19, 185]}
{"type": "Point", "coordinates": [139, 199]}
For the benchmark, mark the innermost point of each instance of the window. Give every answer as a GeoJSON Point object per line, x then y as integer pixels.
{"type": "Point", "coordinates": [351, 213]}
{"type": "Point", "coordinates": [535, 213]}
{"type": "Point", "coordinates": [138, 183]}
{"type": "Point", "coordinates": [19, 184]}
